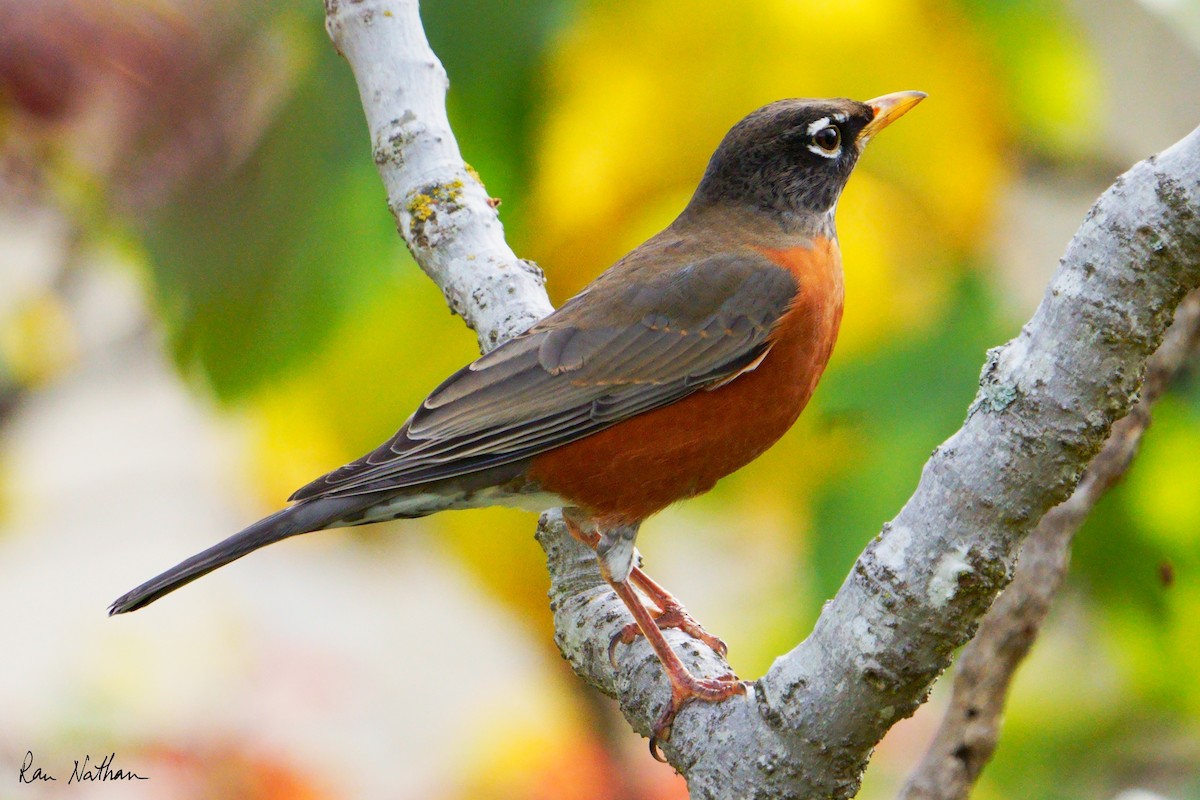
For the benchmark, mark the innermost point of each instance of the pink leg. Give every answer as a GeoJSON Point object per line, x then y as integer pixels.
{"type": "Point", "coordinates": [685, 687]}
{"type": "Point", "coordinates": [671, 612]}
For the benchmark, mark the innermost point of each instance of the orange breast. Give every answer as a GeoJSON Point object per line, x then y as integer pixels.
{"type": "Point", "coordinates": [643, 464]}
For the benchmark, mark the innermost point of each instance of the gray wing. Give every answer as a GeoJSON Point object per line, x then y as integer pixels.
{"type": "Point", "coordinates": [616, 350]}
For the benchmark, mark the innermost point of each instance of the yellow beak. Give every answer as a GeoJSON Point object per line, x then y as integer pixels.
{"type": "Point", "coordinates": [888, 109]}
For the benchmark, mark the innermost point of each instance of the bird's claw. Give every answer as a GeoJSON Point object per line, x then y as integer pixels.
{"type": "Point", "coordinates": [684, 691]}
{"type": "Point", "coordinates": [673, 616]}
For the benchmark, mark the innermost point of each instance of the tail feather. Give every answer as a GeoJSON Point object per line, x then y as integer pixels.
{"type": "Point", "coordinates": [297, 519]}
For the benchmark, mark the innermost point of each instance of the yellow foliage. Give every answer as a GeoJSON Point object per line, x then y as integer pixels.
{"type": "Point", "coordinates": [38, 341]}
{"type": "Point", "coordinates": [1165, 484]}
{"type": "Point", "coordinates": [498, 547]}
{"type": "Point", "coordinates": [360, 388]}
{"type": "Point", "coordinates": [295, 443]}
{"type": "Point", "coordinates": [1057, 89]}
{"type": "Point", "coordinates": [895, 281]}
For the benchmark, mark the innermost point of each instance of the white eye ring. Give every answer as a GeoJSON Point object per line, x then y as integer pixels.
{"type": "Point", "coordinates": [816, 127]}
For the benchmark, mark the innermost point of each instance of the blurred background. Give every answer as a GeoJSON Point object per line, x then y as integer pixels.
{"type": "Point", "coordinates": [203, 304]}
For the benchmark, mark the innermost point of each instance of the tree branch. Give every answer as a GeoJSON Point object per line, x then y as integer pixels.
{"type": "Point", "coordinates": [441, 208]}
{"type": "Point", "coordinates": [970, 729]}
{"type": "Point", "coordinates": [1046, 404]}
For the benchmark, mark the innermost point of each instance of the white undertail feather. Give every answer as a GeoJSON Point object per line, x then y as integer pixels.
{"type": "Point", "coordinates": [419, 505]}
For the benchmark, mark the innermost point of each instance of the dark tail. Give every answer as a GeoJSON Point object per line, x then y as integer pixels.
{"type": "Point", "coordinates": [300, 518]}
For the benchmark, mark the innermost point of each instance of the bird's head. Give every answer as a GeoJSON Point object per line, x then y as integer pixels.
{"type": "Point", "coordinates": [793, 157]}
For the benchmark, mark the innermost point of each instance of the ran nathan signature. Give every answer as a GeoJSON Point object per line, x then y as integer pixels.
{"type": "Point", "coordinates": [83, 771]}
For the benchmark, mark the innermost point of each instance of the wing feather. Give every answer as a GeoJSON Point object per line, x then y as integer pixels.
{"type": "Point", "coordinates": [610, 353]}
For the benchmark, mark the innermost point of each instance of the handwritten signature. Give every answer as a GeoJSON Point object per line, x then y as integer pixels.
{"type": "Point", "coordinates": [85, 770]}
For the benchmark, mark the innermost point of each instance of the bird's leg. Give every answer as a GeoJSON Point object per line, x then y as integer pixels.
{"type": "Point", "coordinates": [671, 613]}
{"type": "Point", "coordinates": [614, 552]}
{"type": "Point", "coordinates": [580, 528]}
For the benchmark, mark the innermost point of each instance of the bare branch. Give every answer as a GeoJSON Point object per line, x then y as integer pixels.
{"type": "Point", "coordinates": [439, 202]}
{"type": "Point", "coordinates": [1046, 404]}
{"type": "Point", "coordinates": [969, 731]}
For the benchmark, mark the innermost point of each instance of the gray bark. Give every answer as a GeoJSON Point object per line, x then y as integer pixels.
{"type": "Point", "coordinates": [969, 731]}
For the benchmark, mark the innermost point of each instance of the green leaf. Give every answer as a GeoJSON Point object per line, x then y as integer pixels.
{"type": "Point", "coordinates": [252, 269]}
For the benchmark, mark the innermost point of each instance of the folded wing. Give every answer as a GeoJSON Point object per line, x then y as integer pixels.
{"type": "Point", "coordinates": [618, 349]}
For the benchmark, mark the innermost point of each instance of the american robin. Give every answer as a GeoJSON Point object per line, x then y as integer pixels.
{"type": "Point", "coordinates": [678, 365]}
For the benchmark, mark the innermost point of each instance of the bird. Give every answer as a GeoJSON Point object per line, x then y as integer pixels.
{"type": "Point", "coordinates": [678, 365]}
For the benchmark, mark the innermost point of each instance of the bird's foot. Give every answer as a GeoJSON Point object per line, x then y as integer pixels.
{"type": "Point", "coordinates": [685, 688]}
{"type": "Point", "coordinates": [672, 615]}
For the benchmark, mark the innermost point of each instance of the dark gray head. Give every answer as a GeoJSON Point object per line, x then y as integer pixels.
{"type": "Point", "coordinates": [793, 157]}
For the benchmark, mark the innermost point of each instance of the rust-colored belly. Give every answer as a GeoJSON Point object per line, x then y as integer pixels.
{"type": "Point", "coordinates": [643, 464]}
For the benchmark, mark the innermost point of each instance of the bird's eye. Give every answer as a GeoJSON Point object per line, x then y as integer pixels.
{"type": "Point", "coordinates": [828, 138]}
